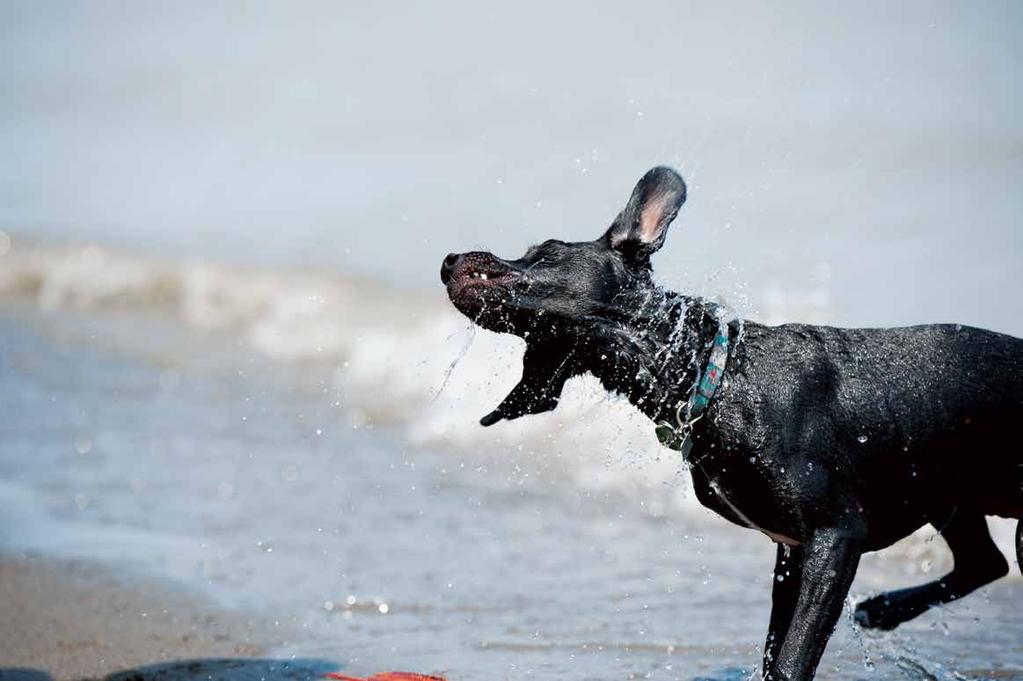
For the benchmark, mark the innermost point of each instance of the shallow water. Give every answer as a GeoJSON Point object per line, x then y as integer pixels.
{"type": "Point", "coordinates": [259, 482]}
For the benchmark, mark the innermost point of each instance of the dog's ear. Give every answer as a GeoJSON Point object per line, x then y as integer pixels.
{"type": "Point", "coordinates": [545, 368]}
{"type": "Point", "coordinates": [640, 228]}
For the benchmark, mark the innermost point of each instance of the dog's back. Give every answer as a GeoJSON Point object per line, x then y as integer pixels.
{"type": "Point", "coordinates": [929, 410]}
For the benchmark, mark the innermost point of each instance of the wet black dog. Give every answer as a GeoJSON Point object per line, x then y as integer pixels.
{"type": "Point", "coordinates": [831, 441]}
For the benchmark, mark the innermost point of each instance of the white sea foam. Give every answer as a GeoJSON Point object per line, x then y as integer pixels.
{"type": "Point", "coordinates": [388, 352]}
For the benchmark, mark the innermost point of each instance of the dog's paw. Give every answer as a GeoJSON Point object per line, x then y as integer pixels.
{"type": "Point", "coordinates": [876, 613]}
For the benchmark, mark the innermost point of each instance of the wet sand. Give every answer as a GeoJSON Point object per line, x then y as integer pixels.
{"type": "Point", "coordinates": [66, 621]}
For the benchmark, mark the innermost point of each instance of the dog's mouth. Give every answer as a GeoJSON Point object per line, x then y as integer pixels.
{"type": "Point", "coordinates": [481, 278]}
{"type": "Point", "coordinates": [479, 285]}
{"type": "Point", "coordinates": [476, 287]}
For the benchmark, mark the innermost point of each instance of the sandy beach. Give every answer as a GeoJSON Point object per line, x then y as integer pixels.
{"type": "Point", "coordinates": [73, 620]}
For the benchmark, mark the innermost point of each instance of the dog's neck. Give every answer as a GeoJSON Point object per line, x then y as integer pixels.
{"type": "Point", "coordinates": [650, 349]}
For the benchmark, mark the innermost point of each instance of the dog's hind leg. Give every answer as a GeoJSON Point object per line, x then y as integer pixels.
{"type": "Point", "coordinates": [977, 561]}
{"type": "Point", "coordinates": [788, 568]}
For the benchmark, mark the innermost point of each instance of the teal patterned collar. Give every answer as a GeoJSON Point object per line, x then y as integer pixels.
{"type": "Point", "coordinates": [677, 436]}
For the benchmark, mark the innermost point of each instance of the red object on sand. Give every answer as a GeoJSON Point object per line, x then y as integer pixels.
{"type": "Point", "coordinates": [388, 676]}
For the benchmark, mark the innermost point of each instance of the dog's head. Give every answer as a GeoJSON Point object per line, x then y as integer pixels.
{"type": "Point", "coordinates": [555, 284]}
{"type": "Point", "coordinates": [559, 293]}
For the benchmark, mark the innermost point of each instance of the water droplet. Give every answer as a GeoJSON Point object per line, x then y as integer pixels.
{"type": "Point", "coordinates": [83, 444]}
{"type": "Point", "coordinates": [383, 608]}
{"type": "Point", "coordinates": [225, 490]}
{"type": "Point", "coordinates": [289, 473]}
{"type": "Point", "coordinates": [862, 439]}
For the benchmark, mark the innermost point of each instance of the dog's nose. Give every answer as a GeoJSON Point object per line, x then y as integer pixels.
{"type": "Point", "coordinates": [447, 268]}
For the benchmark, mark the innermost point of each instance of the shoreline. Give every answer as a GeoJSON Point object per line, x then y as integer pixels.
{"type": "Point", "coordinates": [73, 621]}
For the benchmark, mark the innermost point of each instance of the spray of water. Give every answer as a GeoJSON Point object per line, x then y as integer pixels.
{"type": "Point", "coordinates": [470, 335]}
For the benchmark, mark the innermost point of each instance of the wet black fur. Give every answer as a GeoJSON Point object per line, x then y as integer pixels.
{"type": "Point", "coordinates": [834, 441]}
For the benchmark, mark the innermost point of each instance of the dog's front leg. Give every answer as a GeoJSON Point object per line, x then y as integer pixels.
{"type": "Point", "coordinates": [788, 575]}
{"type": "Point", "coordinates": [830, 559]}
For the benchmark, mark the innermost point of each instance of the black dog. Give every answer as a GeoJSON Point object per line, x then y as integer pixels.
{"type": "Point", "coordinates": [831, 441]}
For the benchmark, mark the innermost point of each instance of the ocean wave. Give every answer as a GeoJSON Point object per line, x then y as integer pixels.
{"type": "Point", "coordinates": [397, 357]}
{"type": "Point", "coordinates": [400, 358]}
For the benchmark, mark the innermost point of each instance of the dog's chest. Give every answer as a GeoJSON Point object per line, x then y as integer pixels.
{"type": "Point", "coordinates": [749, 502]}
{"type": "Point", "coordinates": [735, 479]}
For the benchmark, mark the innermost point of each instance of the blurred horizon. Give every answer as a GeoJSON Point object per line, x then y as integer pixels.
{"type": "Point", "coordinates": [856, 165]}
